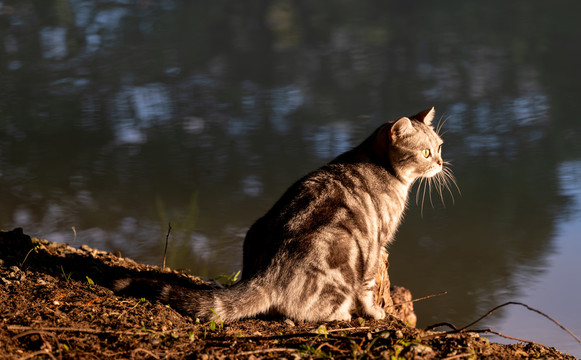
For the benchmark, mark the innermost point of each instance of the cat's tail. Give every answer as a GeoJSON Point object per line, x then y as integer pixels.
{"type": "Point", "coordinates": [244, 299]}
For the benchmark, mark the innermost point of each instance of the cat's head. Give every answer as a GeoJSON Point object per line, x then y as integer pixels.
{"type": "Point", "coordinates": [415, 148]}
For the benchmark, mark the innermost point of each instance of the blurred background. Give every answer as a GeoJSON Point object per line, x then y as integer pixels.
{"type": "Point", "coordinates": [120, 116]}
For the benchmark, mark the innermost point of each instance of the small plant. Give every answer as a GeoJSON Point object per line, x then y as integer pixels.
{"type": "Point", "coordinates": [216, 321]}
{"type": "Point", "coordinates": [322, 330]}
{"type": "Point", "coordinates": [65, 275]}
{"type": "Point", "coordinates": [35, 249]}
{"type": "Point", "coordinates": [228, 280]}
{"type": "Point", "coordinates": [191, 336]}
{"type": "Point", "coordinates": [397, 349]}
{"type": "Point", "coordinates": [90, 281]}
{"type": "Point", "coordinates": [368, 349]}
{"type": "Point", "coordinates": [399, 346]}
{"type": "Point", "coordinates": [404, 343]}
{"type": "Point", "coordinates": [308, 349]}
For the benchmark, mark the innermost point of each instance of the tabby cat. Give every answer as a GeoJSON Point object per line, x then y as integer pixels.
{"type": "Point", "coordinates": [314, 255]}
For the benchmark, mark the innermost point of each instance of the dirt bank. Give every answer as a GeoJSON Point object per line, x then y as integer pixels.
{"type": "Point", "coordinates": [55, 304]}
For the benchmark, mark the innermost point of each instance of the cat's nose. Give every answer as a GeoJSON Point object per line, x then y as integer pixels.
{"type": "Point", "coordinates": [439, 162]}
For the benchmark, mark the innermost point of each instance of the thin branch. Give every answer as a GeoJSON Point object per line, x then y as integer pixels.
{"type": "Point", "coordinates": [31, 330]}
{"type": "Point", "coordinates": [526, 306]}
{"type": "Point", "coordinates": [458, 356]}
{"type": "Point", "coordinates": [348, 329]}
{"type": "Point", "coordinates": [134, 352]}
{"type": "Point", "coordinates": [425, 297]}
{"type": "Point", "coordinates": [464, 329]}
{"type": "Point", "coordinates": [263, 351]}
{"type": "Point", "coordinates": [451, 326]}
{"type": "Point", "coordinates": [166, 242]}
{"type": "Point", "coordinates": [419, 299]}
{"type": "Point", "coordinates": [37, 353]}
{"type": "Point", "coordinates": [484, 331]}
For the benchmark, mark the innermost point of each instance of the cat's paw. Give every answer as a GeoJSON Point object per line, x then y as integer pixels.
{"type": "Point", "coordinates": [376, 312]}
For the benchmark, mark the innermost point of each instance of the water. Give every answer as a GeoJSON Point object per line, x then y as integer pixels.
{"type": "Point", "coordinates": [117, 117]}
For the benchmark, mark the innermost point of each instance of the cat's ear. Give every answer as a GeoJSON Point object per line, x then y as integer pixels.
{"type": "Point", "coordinates": [400, 127]}
{"type": "Point", "coordinates": [426, 116]}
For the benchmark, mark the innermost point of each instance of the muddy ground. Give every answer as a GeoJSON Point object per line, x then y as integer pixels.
{"type": "Point", "coordinates": [55, 304]}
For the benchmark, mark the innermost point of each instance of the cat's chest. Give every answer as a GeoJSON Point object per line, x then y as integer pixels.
{"type": "Point", "coordinates": [382, 199]}
{"type": "Point", "coordinates": [389, 212]}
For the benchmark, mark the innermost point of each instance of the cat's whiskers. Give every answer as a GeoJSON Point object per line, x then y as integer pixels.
{"type": "Point", "coordinates": [430, 190]}
{"type": "Point", "coordinates": [423, 198]}
{"type": "Point", "coordinates": [449, 178]}
{"type": "Point", "coordinates": [440, 181]}
{"type": "Point", "coordinates": [441, 123]}
{"type": "Point", "coordinates": [418, 190]}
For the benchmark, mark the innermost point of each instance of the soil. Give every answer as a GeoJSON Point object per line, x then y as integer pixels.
{"type": "Point", "coordinates": [55, 304]}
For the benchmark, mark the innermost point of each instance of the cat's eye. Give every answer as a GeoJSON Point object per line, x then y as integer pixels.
{"type": "Point", "coordinates": [427, 153]}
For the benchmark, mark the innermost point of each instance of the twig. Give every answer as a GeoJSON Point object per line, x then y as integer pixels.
{"type": "Point", "coordinates": [30, 329]}
{"type": "Point", "coordinates": [134, 352]}
{"type": "Point", "coordinates": [75, 234]}
{"type": "Point", "coordinates": [98, 299]}
{"type": "Point", "coordinates": [166, 241]}
{"type": "Point", "coordinates": [424, 298]}
{"type": "Point", "coordinates": [329, 346]}
{"type": "Point", "coordinates": [348, 329]}
{"type": "Point", "coordinates": [262, 351]}
{"type": "Point", "coordinates": [526, 306]}
{"type": "Point", "coordinates": [419, 299]}
{"type": "Point", "coordinates": [40, 352]}
{"type": "Point", "coordinates": [26, 333]}
{"type": "Point", "coordinates": [46, 329]}
{"type": "Point", "coordinates": [457, 356]}
{"type": "Point", "coordinates": [464, 329]}
{"type": "Point", "coordinates": [484, 331]}
{"type": "Point", "coordinates": [451, 326]}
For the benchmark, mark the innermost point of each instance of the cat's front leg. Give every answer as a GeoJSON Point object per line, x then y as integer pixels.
{"type": "Point", "coordinates": [366, 300]}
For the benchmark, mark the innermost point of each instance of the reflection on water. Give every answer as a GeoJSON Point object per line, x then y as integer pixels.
{"type": "Point", "coordinates": [546, 290]}
{"type": "Point", "coordinates": [119, 117]}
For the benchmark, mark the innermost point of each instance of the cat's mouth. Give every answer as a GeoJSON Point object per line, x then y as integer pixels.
{"type": "Point", "coordinates": [433, 171]}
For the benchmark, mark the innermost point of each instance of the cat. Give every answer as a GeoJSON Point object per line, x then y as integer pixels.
{"type": "Point", "coordinates": [315, 254]}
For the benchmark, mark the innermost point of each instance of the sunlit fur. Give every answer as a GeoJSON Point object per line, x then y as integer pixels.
{"type": "Point", "coordinates": [443, 181]}
{"type": "Point", "coordinates": [315, 254]}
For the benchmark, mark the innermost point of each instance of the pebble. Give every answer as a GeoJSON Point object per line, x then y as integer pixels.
{"type": "Point", "coordinates": [420, 351]}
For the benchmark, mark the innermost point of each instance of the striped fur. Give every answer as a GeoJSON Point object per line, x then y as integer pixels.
{"type": "Point", "coordinates": [314, 255]}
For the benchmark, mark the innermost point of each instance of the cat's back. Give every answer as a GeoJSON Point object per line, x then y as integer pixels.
{"type": "Point", "coordinates": [356, 198]}
{"type": "Point", "coordinates": [331, 188]}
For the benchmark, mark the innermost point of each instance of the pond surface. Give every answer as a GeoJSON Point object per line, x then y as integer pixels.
{"type": "Point", "coordinates": [119, 117]}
